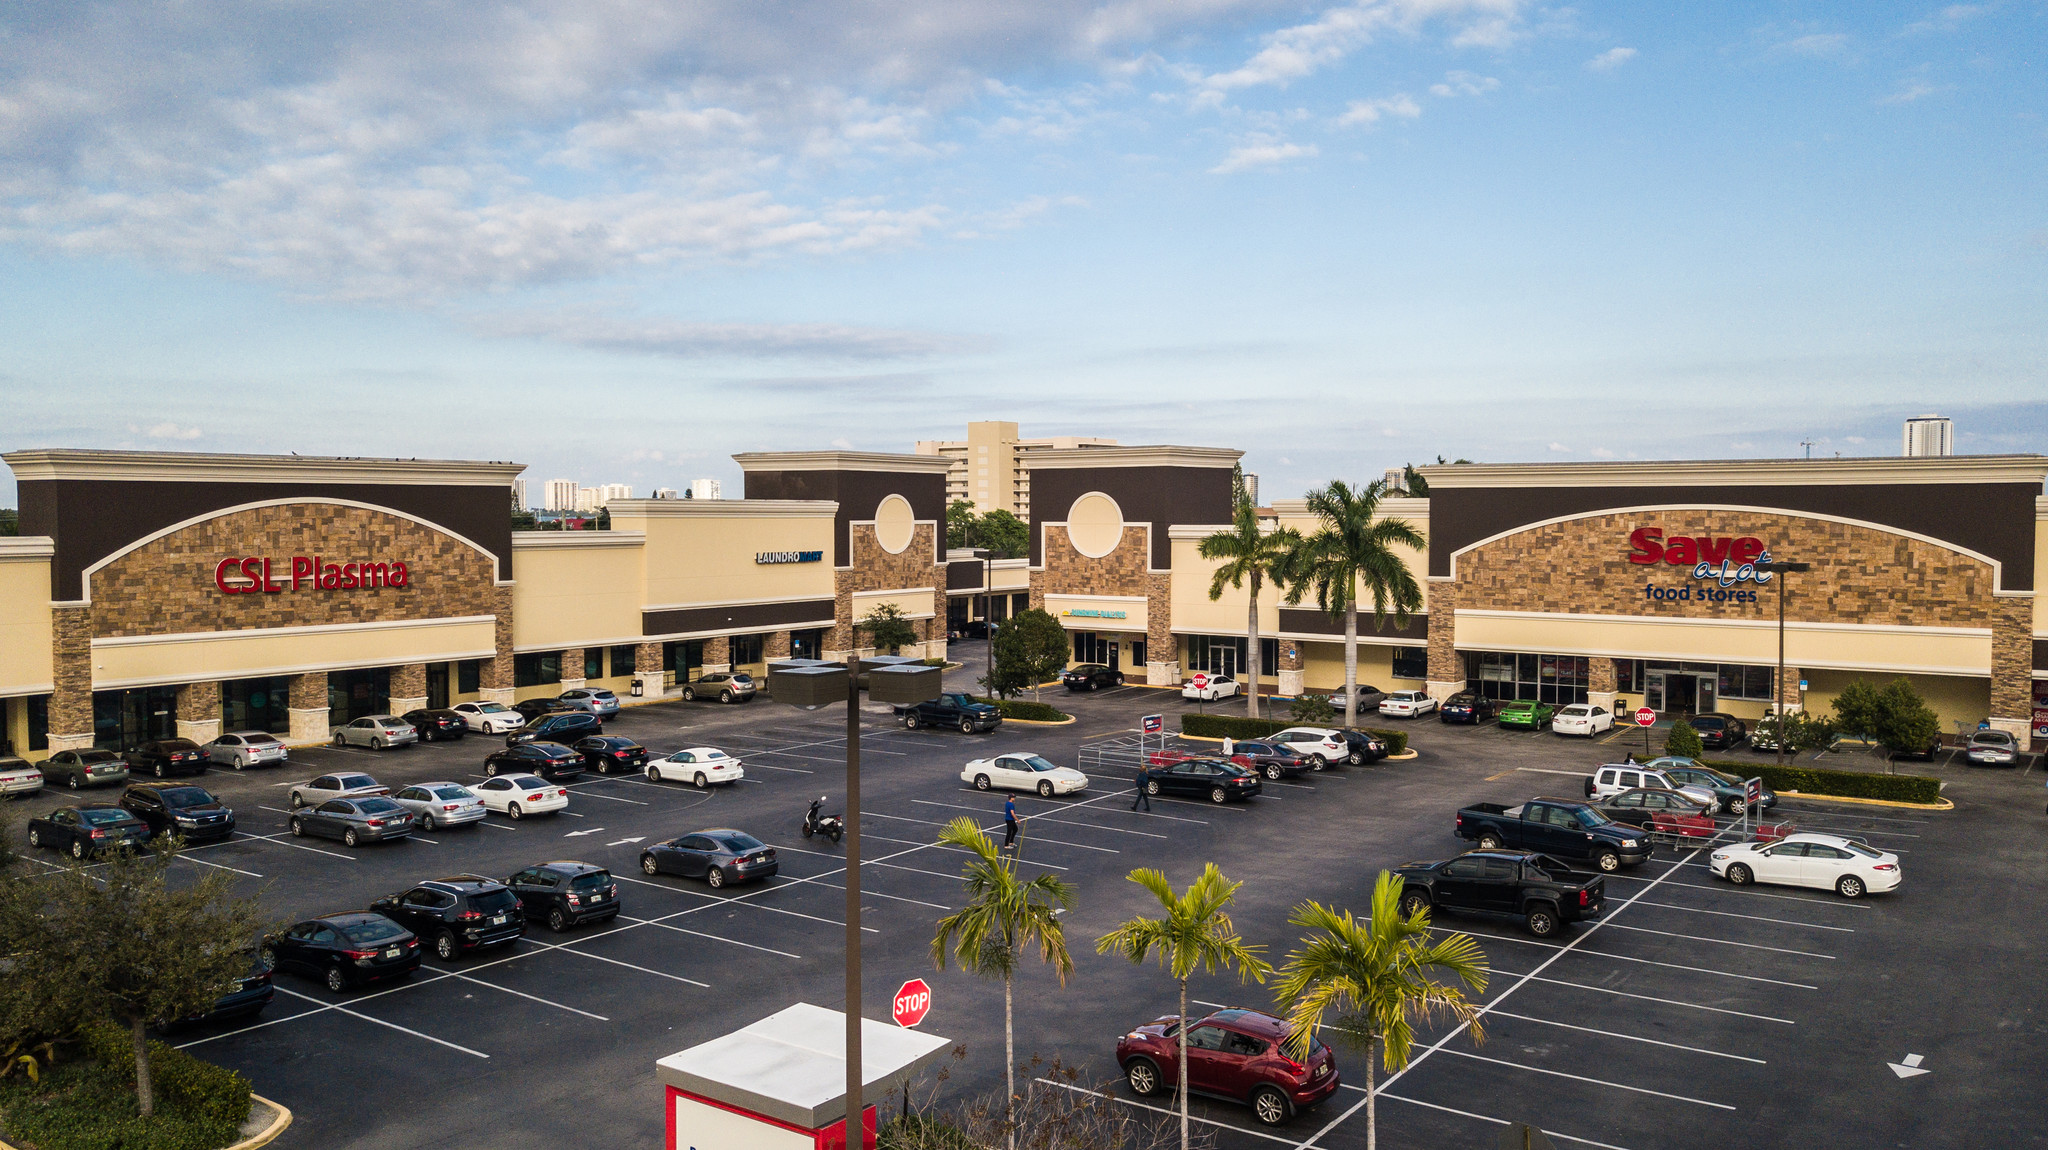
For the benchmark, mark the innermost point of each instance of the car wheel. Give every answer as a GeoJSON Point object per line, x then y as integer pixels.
{"type": "Point", "coordinates": [377, 744]}
{"type": "Point", "coordinates": [1217, 794]}
{"type": "Point", "coordinates": [1489, 841]}
{"type": "Point", "coordinates": [910, 722]}
{"type": "Point", "coordinates": [966, 726]}
{"type": "Point", "coordinates": [1849, 886]}
{"type": "Point", "coordinates": [491, 769]}
{"type": "Point", "coordinates": [1355, 759]}
{"type": "Point", "coordinates": [725, 696]}
{"type": "Point", "coordinates": [298, 829]}
{"type": "Point", "coordinates": [77, 848]}
{"type": "Point", "coordinates": [653, 774]}
{"type": "Point", "coordinates": [1740, 875]}
{"type": "Point", "coordinates": [159, 770]}
{"type": "Point", "coordinates": [648, 866]}
{"type": "Point", "coordinates": [239, 764]}
{"type": "Point", "coordinates": [807, 829]}
{"type": "Point", "coordinates": [1607, 861]}
{"type": "Point", "coordinates": [836, 833]}
{"type": "Point", "coordinates": [513, 812]}
{"type": "Point", "coordinates": [981, 783]}
{"type": "Point", "coordinates": [557, 921]}
{"type": "Point", "coordinates": [1045, 790]}
{"type": "Point", "coordinates": [427, 822]}
{"type": "Point", "coordinates": [348, 837]}
{"type": "Point", "coordinates": [1542, 921]}
{"type": "Point", "coordinates": [1143, 1076]}
{"type": "Point", "coordinates": [1738, 806]}
{"type": "Point", "coordinates": [689, 696]}
{"type": "Point", "coordinates": [1268, 1106]}
{"type": "Point", "coordinates": [1414, 902]}
{"type": "Point", "coordinates": [715, 876]}
{"type": "Point", "coordinates": [444, 946]}
{"type": "Point", "coordinates": [71, 781]}
{"type": "Point", "coordinates": [1273, 771]}
{"type": "Point", "coordinates": [701, 781]}
{"type": "Point", "coordinates": [35, 838]}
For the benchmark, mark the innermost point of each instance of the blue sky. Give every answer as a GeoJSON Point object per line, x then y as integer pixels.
{"type": "Point", "coordinates": [624, 243]}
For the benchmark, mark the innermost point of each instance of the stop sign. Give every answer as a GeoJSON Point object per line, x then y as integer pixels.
{"type": "Point", "coordinates": [913, 1002]}
{"type": "Point", "coordinates": [1201, 681]}
{"type": "Point", "coordinates": [1645, 717]}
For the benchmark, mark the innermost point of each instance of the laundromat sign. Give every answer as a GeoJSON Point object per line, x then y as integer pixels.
{"type": "Point", "coordinates": [1726, 565]}
{"type": "Point", "coordinates": [254, 575]}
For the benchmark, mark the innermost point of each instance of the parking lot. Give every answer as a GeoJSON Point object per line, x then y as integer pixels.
{"type": "Point", "coordinates": [1691, 1014]}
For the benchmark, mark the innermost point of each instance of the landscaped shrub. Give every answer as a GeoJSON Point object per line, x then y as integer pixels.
{"type": "Point", "coordinates": [89, 1103]}
{"type": "Point", "coordinates": [1849, 784]}
{"type": "Point", "coordinates": [1027, 710]}
{"type": "Point", "coordinates": [1683, 740]}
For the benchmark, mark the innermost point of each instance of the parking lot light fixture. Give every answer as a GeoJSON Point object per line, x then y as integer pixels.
{"type": "Point", "coordinates": [1781, 569]}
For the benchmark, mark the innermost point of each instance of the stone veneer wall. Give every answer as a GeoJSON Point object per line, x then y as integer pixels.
{"type": "Point", "coordinates": [71, 666]}
{"type": "Point", "coordinates": [874, 569]}
{"type": "Point", "coordinates": [1445, 667]}
{"type": "Point", "coordinates": [1124, 571]}
{"type": "Point", "coordinates": [2012, 664]}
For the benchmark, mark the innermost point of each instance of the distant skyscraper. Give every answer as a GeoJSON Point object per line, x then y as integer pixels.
{"type": "Point", "coordinates": [562, 494]}
{"type": "Point", "coordinates": [664, 493]}
{"type": "Point", "coordinates": [519, 493]}
{"type": "Point", "coordinates": [705, 489]}
{"type": "Point", "coordinates": [611, 491]}
{"type": "Point", "coordinates": [1251, 487]}
{"type": "Point", "coordinates": [1930, 435]}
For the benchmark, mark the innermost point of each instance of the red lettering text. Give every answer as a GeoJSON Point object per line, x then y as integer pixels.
{"type": "Point", "coordinates": [220, 576]}
{"type": "Point", "coordinates": [1683, 552]}
{"type": "Point", "coordinates": [301, 568]}
{"type": "Point", "coordinates": [1714, 550]}
{"type": "Point", "coordinates": [1647, 549]}
{"type": "Point", "coordinates": [349, 578]}
{"type": "Point", "coordinates": [1747, 549]}
{"type": "Point", "coordinates": [376, 574]}
{"type": "Point", "coordinates": [399, 576]}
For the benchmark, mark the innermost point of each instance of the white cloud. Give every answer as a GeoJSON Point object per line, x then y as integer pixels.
{"type": "Point", "coordinates": [1560, 448]}
{"type": "Point", "coordinates": [1463, 84]}
{"type": "Point", "coordinates": [1611, 59]}
{"type": "Point", "coordinates": [1399, 105]}
{"type": "Point", "coordinates": [1819, 45]}
{"type": "Point", "coordinates": [1853, 439]}
{"type": "Point", "coordinates": [1599, 452]}
{"type": "Point", "coordinates": [1299, 51]}
{"type": "Point", "coordinates": [167, 430]}
{"type": "Point", "coordinates": [1263, 153]}
{"type": "Point", "coordinates": [843, 444]}
{"type": "Point", "coordinates": [691, 339]}
{"type": "Point", "coordinates": [1391, 432]}
{"type": "Point", "coordinates": [1946, 20]}
{"type": "Point", "coordinates": [1910, 91]}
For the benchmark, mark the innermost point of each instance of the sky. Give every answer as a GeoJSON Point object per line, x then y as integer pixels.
{"type": "Point", "coordinates": [621, 241]}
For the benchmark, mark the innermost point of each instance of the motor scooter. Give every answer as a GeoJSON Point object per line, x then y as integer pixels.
{"type": "Point", "coordinates": [831, 826]}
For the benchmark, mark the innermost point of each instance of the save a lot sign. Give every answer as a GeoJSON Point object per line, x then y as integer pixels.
{"type": "Point", "coordinates": [1723, 568]}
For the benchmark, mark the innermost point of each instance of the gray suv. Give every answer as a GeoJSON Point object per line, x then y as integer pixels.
{"type": "Point", "coordinates": [596, 700]}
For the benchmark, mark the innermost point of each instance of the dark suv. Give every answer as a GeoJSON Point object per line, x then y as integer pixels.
{"type": "Point", "coordinates": [557, 727]}
{"type": "Point", "coordinates": [1236, 1054]}
{"type": "Point", "coordinates": [566, 894]}
{"type": "Point", "coordinates": [166, 757]}
{"type": "Point", "coordinates": [179, 809]}
{"type": "Point", "coordinates": [551, 761]}
{"type": "Point", "coordinates": [457, 915]}
{"type": "Point", "coordinates": [1718, 731]}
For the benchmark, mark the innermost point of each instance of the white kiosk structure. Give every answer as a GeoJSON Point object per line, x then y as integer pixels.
{"type": "Point", "coordinates": [780, 1084]}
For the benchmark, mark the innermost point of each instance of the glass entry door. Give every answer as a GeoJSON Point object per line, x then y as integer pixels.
{"type": "Point", "coordinates": [1708, 699]}
{"type": "Point", "coordinates": [1653, 691]}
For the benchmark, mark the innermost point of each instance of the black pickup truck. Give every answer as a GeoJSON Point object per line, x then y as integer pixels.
{"type": "Point", "coordinates": [952, 709]}
{"type": "Point", "coordinates": [1538, 889]}
{"type": "Point", "coordinates": [1561, 828]}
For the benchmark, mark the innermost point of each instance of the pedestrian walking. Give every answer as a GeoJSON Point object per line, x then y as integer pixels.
{"type": "Point", "coordinates": [1142, 796]}
{"type": "Point", "coordinates": [1009, 824]}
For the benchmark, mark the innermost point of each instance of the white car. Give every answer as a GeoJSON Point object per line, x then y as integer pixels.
{"type": "Point", "coordinates": [699, 766]}
{"type": "Point", "coordinates": [1582, 719]}
{"type": "Point", "coordinates": [244, 749]}
{"type": "Point", "coordinates": [1849, 867]}
{"type": "Point", "coordinates": [516, 796]}
{"type": "Point", "coordinates": [343, 786]}
{"type": "Point", "coordinates": [441, 804]}
{"type": "Point", "coordinates": [1213, 687]}
{"type": "Point", "coordinates": [1320, 745]}
{"type": "Point", "coordinates": [490, 718]}
{"type": "Point", "coordinates": [1615, 778]}
{"type": "Point", "coordinates": [1023, 771]}
{"type": "Point", "coordinates": [1407, 704]}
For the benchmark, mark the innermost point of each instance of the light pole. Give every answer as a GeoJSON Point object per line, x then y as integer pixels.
{"type": "Point", "coordinates": [1778, 684]}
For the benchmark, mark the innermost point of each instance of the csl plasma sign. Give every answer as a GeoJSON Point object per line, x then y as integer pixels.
{"type": "Point", "coordinates": [307, 571]}
{"type": "Point", "coordinates": [1724, 563]}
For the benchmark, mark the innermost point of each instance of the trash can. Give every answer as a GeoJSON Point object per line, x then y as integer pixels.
{"type": "Point", "coordinates": [639, 686]}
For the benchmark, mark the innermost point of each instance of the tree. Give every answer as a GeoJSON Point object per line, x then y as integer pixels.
{"type": "Point", "coordinates": [1003, 915]}
{"type": "Point", "coordinates": [960, 524]}
{"type": "Point", "coordinates": [122, 942]}
{"type": "Point", "coordinates": [1194, 934]}
{"type": "Point", "coordinates": [887, 629]}
{"type": "Point", "coordinates": [1312, 711]}
{"type": "Point", "coordinates": [1683, 741]}
{"type": "Point", "coordinates": [1003, 533]}
{"type": "Point", "coordinates": [1369, 982]}
{"type": "Point", "coordinates": [1353, 551]}
{"type": "Point", "coordinates": [1894, 716]}
{"type": "Point", "coordinates": [1026, 651]}
{"type": "Point", "coordinates": [1249, 552]}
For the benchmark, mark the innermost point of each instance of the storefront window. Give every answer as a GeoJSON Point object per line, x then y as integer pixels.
{"type": "Point", "coordinates": [1742, 682]}
{"type": "Point", "coordinates": [1090, 648]}
{"type": "Point", "coordinates": [807, 644]}
{"type": "Point", "coordinates": [746, 650]}
{"type": "Point", "coordinates": [593, 662]}
{"type": "Point", "coordinates": [354, 694]}
{"type": "Point", "coordinates": [624, 658]}
{"type": "Point", "coordinates": [536, 668]}
{"type": "Point", "coordinates": [255, 705]}
{"type": "Point", "coordinates": [1411, 663]}
{"type": "Point", "coordinates": [39, 722]}
{"type": "Point", "coordinates": [1547, 678]}
{"type": "Point", "coordinates": [469, 676]}
{"type": "Point", "coordinates": [124, 720]}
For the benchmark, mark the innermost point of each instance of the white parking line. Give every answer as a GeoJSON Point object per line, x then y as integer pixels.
{"type": "Point", "coordinates": [1722, 941]}
{"type": "Point", "coordinates": [430, 842]}
{"type": "Point", "coordinates": [870, 892]}
{"type": "Point", "coordinates": [492, 825]}
{"type": "Point", "coordinates": [532, 997]}
{"type": "Point", "coordinates": [1840, 905]}
{"type": "Point", "coordinates": [865, 862]}
{"type": "Point", "coordinates": [282, 841]}
{"type": "Point", "coordinates": [1628, 1037]}
{"type": "Point", "coordinates": [1056, 842]}
{"type": "Point", "coordinates": [564, 949]}
{"type": "Point", "coordinates": [1583, 1078]}
{"type": "Point", "coordinates": [1042, 818]}
{"type": "Point", "coordinates": [614, 798]}
{"type": "Point", "coordinates": [1750, 917]}
{"type": "Point", "coordinates": [1664, 999]}
{"type": "Point", "coordinates": [1490, 1118]}
{"type": "Point", "coordinates": [701, 934]}
{"type": "Point", "coordinates": [221, 866]}
{"type": "Point", "coordinates": [380, 1022]}
{"type": "Point", "coordinates": [1109, 794]}
{"type": "Point", "coordinates": [749, 894]}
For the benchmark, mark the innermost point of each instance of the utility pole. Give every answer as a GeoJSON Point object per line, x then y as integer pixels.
{"type": "Point", "coordinates": [1778, 704]}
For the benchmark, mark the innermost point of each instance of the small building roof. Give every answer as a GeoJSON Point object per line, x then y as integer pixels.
{"type": "Point", "coordinates": [791, 1065]}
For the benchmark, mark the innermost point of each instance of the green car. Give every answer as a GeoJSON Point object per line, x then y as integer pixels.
{"type": "Point", "coordinates": [1526, 713]}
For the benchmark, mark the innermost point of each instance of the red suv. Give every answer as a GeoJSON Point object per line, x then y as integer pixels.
{"type": "Point", "coordinates": [1234, 1054]}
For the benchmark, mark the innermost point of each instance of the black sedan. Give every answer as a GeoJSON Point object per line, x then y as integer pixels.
{"type": "Point", "coordinates": [179, 809]}
{"type": "Point", "coordinates": [87, 768]}
{"type": "Point", "coordinates": [1212, 779]}
{"type": "Point", "coordinates": [1465, 707]}
{"type": "Point", "coordinates": [345, 950]}
{"type": "Point", "coordinates": [557, 727]}
{"type": "Point", "coordinates": [166, 757]}
{"type": "Point", "coordinates": [374, 819]}
{"type": "Point", "coordinates": [1365, 747]}
{"type": "Point", "coordinates": [716, 856]}
{"type": "Point", "coordinates": [532, 709]}
{"type": "Point", "coordinates": [87, 830]}
{"type": "Point", "coordinates": [1269, 759]}
{"type": "Point", "coordinates": [1718, 731]}
{"type": "Point", "coordinates": [253, 991]}
{"type": "Point", "coordinates": [1091, 677]}
{"type": "Point", "coordinates": [437, 724]}
{"type": "Point", "coordinates": [551, 761]}
{"type": "Point", "coordinates": [607, 753]}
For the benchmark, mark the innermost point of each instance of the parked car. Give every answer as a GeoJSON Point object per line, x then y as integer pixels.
{"type": "Point", "coordinates": [607, 753]}
{"type": "Point", "coordinates": [1212, 779]}
{"type": "Point", "coordinates": [1530, 885]}
{"type": "Point", "coordinates": [1321, 746]}
{"type": "Point", "coordinates": [566, 894]}
{"type": "Point", "coordinates": [952, 709]}
{"type": "Point", "coordinates": [1213, 687]}
{"type": "Point", "coordinates": [441, 804]}
{"type": "Point", "coordinates": [1991, 748]}
{"type": "Point", "coordinates": [1237, 1055]}
{"type": "Point", "coordinates": [348, 785]}
{"type": "Point", "coordinates": [345, 950]}
{"type": "Point", "coordinates": [517, 796]}
{"type": "Point", "coordinates": [162, 758]}
{"type": "Point", "coordinates": [531, 709]}
{"type": "Point", "coordinates": [377, 732]}
{"type": "Point", "coordinates": [437, 724]}
{"type": "Point", "coordinates": [1369, 699]}
{"type": "Point", "coordinates": [736, 687]}
{"type": "Point", "coordinates": [1465, 707]}
{"type": "Point", "coordinates": [1665, 813]}
{"type": "Point", "coordinates": [699, 766]}
{"type": "Point", "coordinates": [717, 856]}
{"type": "Point", "coordinates": [457, 915]}
{"type": "Point", "coordinates": [87, 768]}
{"type": "Point", "coordinates": [88, 830]}
{"type": "Point", "coordinates": [489, 718]}
{"type": "Point", "coordinates": [369, 819]}
{"type": "Point", "coordinates": [1926, 752]}
{"type": "Point", "coordinates": [1561, 828]}
{"type": "Point", "coordinates": [252, 992]}
{"type": "Point", "coordinates": [1527, 714]}
{"type": "Point", "coordinates": [557, 727]}
{"type": "Point", "coordinates": [244, 749]}
{"type": "Point", "coordinates": [1407, 704]}
{"type": "Point", "coordinates": [1268, 759]}
{"type": "Point", "coordinates": [1718, 732]}
{"type": "Point", "coordinates": [1582, 719]}
{"type": "Point", "coordinates": [598, 701]}
{"type": "Point", "coordinates": [551, 761]}
{"type": "Point", "coordinates": [1361, 746]}
{"type": "Point", "coordinates": [1849, 867]}
{"type": "Point", "coordinates": [1023, 771]}
{"type": "Point", "coordinates": [179, 809]}
{"type": "Point", "coordinates": [1726, 788]}
{"type": "Point", "coordinates": [1091, 677]}
{"type": "Point", "coordinates": [1614, 778]}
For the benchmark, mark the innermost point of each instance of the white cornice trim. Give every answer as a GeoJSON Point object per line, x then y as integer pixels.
{"type": "Point", "coordinates": [1195, 531]}
{"type": "Point", "coordinates": [1365, 638]}
{"type": "Point", "coordinates": [571, 540]}
{"type": "Point", "coordinates": [273, 632]}
{"type": "Point", "coordinates": [2040, 507]}
{"type": "Point", "coordinates": [711, 603]}
{"type": "Point", "coordinates": [1402, 506]}
{"type": "Point", "coordinates": [27, 547]}
{"type": "Point", "coordinates": [290, 669]}
{"type": "Point", "coordinates": [801, 625]}
{"type": "Point", "coordinates": [207, 467]}
{"type": "Point", "coordinates": [1066, 595]}
{"type": "Point", "coordinates": [724, 508]}
{"type": "Point", "coordinates": [1744, 472]}
{"type": "Point", "coordinates": [1709, 621]}
{"type": "Point", "coordinates": [896, 591]}
{"type": "Point", "coordinates": [585, 644]}
{"type": "Point", "coordinates": [1162, 455]}
{"type": "Point", "coordinates": [26, 689]}
{"type": "Point", "coordinates": [842, 461]}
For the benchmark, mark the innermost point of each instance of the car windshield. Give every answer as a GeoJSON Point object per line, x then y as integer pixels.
{"type": "Point", "coordinates": [741, 842]}
{"type": "Point", "coordinates": [1865, 851]}
{"type": "Point", "coordinates": [1993, 738]}
{"type": "Point", "coordinates": [378, 806]}
{"type": "Point", "coordinates": [1036, 763]}
{"type": "Point", "coordinates": [609, 695]}
{"type": "Point", "coordinates": [1717, 776]}
{"type": "Point", "coordinates": [452, 793]}
{"type": "Point", "coordinates": [742, 678]}
{"type": "Point", "coordinates": [714, 755]}
{"type": "Point", "coordinates": [1588, 817]}
{"type": "Point", "coordinates": [492, 902]}
{"type": "Point", "coordinates": [492, 708]}
{"type": "Point", "coordinates": [185, 796]}
{"type": "Point", "coordinates": [528, 781]}
{"type": "Point", "coordinates": [1575, 710]}
{"type": "Point", "coordinates": [104, 818]}
{"type": "Point", "coordinates": [595, 880]}
{"type": "Point", "coordinates": [350, 782]}
{"type": "Point", "coordinates": [372, 930]}
{"type": "Point", "coordinates": [97, 756]}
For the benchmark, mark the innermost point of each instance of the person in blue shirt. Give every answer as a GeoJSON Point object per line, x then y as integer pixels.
{"type": "Point", "coordinates": [1009, 824]}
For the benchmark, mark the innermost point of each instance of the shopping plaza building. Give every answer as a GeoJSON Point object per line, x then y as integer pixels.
{"type": "Point", "coordinates": [153, 594]}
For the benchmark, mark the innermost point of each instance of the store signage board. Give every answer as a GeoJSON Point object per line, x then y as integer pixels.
{"type": "Point", "coordinates": [1090, 613]}
{"type": "Point", "coordinates": [1724, 563]}
{"type": "Point", "coordinates": [254, 574]}
{"type": "Point", "coordinates": [1154, 724]}
{"type": "Point", "coordinates": [789, 556]}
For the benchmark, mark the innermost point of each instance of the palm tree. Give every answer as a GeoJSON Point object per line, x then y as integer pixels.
{"type": "Point", "coordinates": [1371, 981]}
{"type": "Point", "coordinates": [1003, 915]}
{"type": "Point", "coordinates": [1353, 551]}
{"type": "Point", "coordinates": [1249, 552]}
{"type": "Point", "coordinates": [1195, 932]}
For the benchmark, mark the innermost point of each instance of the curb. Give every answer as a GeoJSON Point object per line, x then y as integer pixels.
{"type": "Point", "coordinates": [1405, 756]}
{"type": "Point", "coordinates": [1069, 721]}
{"type": "Point", "coordinates": [1943, 805]}
{"type": "Point", "coordinates": [281, 1118]}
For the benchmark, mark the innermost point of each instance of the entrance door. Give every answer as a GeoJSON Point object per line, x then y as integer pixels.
{"type": "Point", "coordinates": [1115, 649]}
{"type": "Point", "coordinates": [437, 685]}
{"type": "Point", "coordinates": [1709, 694]}
{"type": "Point", "coordinates": [1653, 691]}
{"type": "Point", "coordinates": [1681, 693]}
{"type": "Point", "coordinates": [1138, 653]}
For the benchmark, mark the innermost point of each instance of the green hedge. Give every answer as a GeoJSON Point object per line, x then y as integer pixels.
{"type": "Point", "coordinates": [89, 1104]}
{"type": "Point", "coordinates": [1849, 784]}
{"type": "Point", "coordinates": [1232, 727]}
{"type": "Point", "coordinates": [1028, 711]}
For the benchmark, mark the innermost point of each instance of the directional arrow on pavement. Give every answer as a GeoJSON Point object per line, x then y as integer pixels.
{"type": "Point", "coordinates": [591, 831]}
{"type": "Point", "coordinates": [1908, 1066]}
{"type": "Point", "coordinates": [623, 842]}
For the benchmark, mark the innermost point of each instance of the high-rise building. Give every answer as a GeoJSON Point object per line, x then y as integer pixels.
{"type": "Point", "coordinates": [705, 489]}
{"type": "Point", "coordinates": [1930, 435]}
{"type": "Point", "coordinates": [562, 495]}
{"type": "Point", "coordinates": [519, 493]}
{"type": "Point", "coordinates": [1251, 488]}
{"type": "Point", "coordinates": [992, 466]}
{"type": "Point", "coordinates": [664, 493]}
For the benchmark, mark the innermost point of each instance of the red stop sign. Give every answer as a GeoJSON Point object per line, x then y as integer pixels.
{"type": "Point", "coordinates": [1201, 681]}
{"type": "Point", "coordinates": [913, 1002]}
{"type": "Point", "coordinates": [1645, 717]}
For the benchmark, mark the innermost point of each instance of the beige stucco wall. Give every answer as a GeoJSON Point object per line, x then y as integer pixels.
{"type": "Point", "coordinates": [575, 595]}
{"type": "Point", "coordinates": [1324, 667]}
{"type": "Point", "coordinates": [1955, 699]}
{"type": "Point", "coordinates": [710, 559]}
{"type": "Point", "coordinates": [120, 662]}
{"type": "Point", "coordinates": [915, 602]}
{"type": "Point", "coordinates": [1928, 650]}
{"type": "Point", "coordinates": [26, 668]}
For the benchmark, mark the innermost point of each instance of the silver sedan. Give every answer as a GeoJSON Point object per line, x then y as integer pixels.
{"type": "Point", "coordinates": [441, 804]}
{"type": "Point", "coordinates": [376, 732]}
{"type": "Point", "coordinates": [244, 749]}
